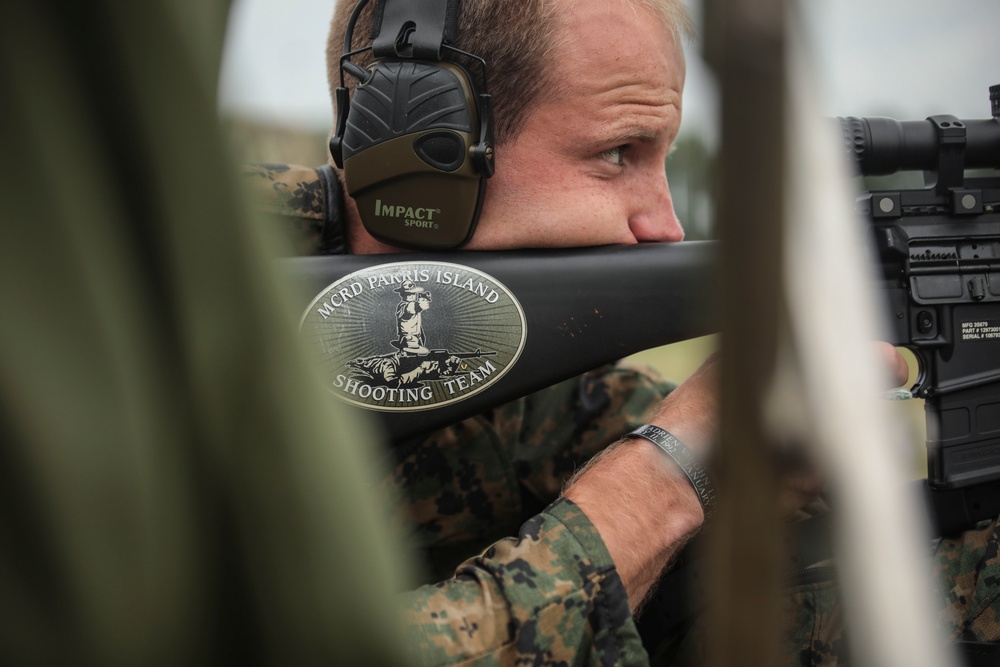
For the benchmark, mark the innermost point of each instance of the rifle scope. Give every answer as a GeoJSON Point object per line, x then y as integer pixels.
{"type": "Point", "coordinates": [885, 145]}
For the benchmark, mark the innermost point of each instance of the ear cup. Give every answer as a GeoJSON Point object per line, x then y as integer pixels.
{"type": "Point", "coordinates": [407, 154]}
{"type": "Point", "coordinates": [404, 97]}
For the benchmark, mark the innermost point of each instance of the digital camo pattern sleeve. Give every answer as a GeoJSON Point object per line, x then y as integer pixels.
{"type": "Point", "coordinates": [551, 437]}
{"type": "Point", "coordinates": [293, 198]}
{"type": "Point", "coordinates": [967, 570]}
{"type": "Point", "coordinates": [966, 577]}
{"type": "Point", "coordinates": [463, 487]}
{"type": "Point", "coordinates": [551, 596]}
{"type": "Point", "coordinates": [552, 592]}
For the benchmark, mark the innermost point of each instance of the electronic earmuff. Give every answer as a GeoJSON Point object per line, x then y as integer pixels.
{"type": "Point", "coordinates": [416, 141]}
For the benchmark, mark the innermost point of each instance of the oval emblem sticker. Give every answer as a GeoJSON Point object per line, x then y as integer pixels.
{"type": "Point", "coordinates": [414, 335]}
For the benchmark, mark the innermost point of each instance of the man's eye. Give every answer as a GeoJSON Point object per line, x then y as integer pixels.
{"type": "Point", "coordinates": [615, 155]}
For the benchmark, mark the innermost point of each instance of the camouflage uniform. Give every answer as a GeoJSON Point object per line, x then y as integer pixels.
{"type": "Point", "coordinates": [966, 577]}
{"type": "Point", "coordinates": [966, 581]}
{"type": "Point", "coordinates": [294, 197]}
{"type": "Point", "coordinates": [967, 572]}
{"type": "Point", "coordinates": [551, 595]}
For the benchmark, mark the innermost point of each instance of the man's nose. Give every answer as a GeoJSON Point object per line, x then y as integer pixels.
{"type": "Point", "coordinates": [653, 218]}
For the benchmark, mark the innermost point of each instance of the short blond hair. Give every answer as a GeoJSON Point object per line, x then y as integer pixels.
{"type": "Point", "coordinates": [514, 37]}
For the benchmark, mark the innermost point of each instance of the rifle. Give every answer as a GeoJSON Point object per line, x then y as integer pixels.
{"type": "Point", "coordinates": [534, 317]}
{"type": "Point", "coordinates": [442, 355]}
{"type": "Point", "coordinates": [939, 269]}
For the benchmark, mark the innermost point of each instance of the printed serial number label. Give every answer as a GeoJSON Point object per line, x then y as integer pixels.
{"type": "Point", "coordinates": [981, 330]}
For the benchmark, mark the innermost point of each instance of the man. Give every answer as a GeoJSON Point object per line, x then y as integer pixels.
{"type": "Point", "coordinates": [584, 124]}
{"type": "Point", "coordinates": [582, 133]}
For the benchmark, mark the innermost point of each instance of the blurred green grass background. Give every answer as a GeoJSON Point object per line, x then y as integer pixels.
{"type": "Point", "coordinates": [678, 361]}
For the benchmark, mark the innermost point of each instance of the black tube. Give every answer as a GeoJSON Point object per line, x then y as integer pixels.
{"type": "Point", "coordinates": [886, 146]}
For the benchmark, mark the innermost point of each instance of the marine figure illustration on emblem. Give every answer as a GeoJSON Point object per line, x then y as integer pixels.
{"type": "Point", "coordinates": [413, 335]}
{"type": "Point", "coordinates": [412, 361]}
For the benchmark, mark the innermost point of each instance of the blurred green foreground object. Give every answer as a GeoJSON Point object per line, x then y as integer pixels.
{"type": "Point", "coordinates": [174, 489]}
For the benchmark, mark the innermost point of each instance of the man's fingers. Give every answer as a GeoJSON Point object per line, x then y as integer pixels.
{"type": "Point", "coordinates": [899, 370]}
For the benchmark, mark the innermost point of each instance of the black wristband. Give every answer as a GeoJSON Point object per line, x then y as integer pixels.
{"type": "Point", "coordinates": [685, 460]}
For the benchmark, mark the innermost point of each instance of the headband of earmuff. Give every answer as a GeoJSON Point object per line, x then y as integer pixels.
{"type": "Point", "coordinates": [415, 141]}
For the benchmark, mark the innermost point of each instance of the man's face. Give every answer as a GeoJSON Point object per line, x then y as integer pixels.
{"type": "Point", "coordinates": [588, 167]}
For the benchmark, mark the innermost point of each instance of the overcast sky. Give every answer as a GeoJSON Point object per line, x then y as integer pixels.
{"type": "Point", "coordinates": [903, 58]}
